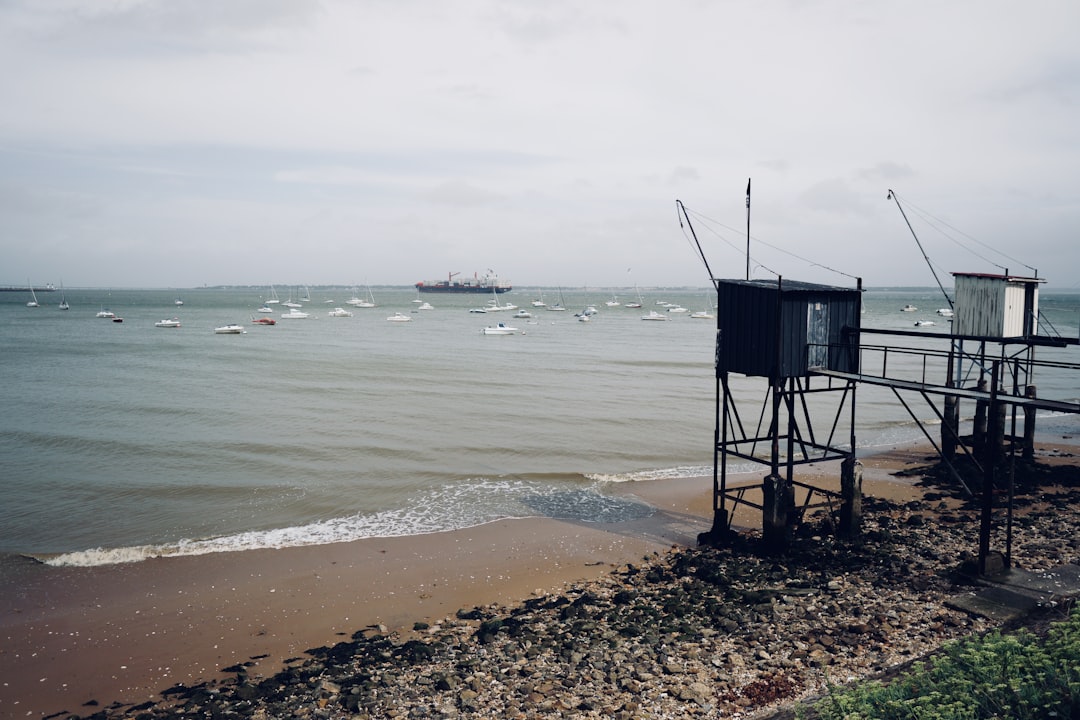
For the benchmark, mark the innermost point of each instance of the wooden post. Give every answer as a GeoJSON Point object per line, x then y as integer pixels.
{"type": "Point", "coordinates": [950, 428]}
{"type": "Point", "coordinates": [1029, 426]}
{"type": "Point", "coordinates": [777, 496]}
{"type": "Point", "coordinates": [978, 430]}
{"type": "Point", "coordinates": [851, 473]}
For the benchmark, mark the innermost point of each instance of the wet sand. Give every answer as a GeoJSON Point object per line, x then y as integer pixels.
{"type": "Point", "coordinates": [124, 633]}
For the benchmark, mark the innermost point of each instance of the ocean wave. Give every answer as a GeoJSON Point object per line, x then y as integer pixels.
{"type": "Point", "coordinates": [454, 507]}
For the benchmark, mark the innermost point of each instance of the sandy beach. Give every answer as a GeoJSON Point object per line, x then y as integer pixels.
{"type": "Point", "coordinates": [75, 640]}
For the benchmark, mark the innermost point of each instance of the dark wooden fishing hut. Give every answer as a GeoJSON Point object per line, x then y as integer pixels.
{"type": "Point", "coordinates": [783, 330]}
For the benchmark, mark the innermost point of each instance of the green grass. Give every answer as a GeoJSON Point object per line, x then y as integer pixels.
{"type": "Point", "coordinates": [1017, 676]}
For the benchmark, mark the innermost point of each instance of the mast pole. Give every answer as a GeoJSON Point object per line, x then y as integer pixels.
{"type": "Point", "coordinates": [892, 196]}
{"type": "Point", "coordinates": [747, 228]}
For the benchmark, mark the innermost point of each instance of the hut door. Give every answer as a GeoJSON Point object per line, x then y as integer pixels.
{"type": "Point", "coordinates": [817, 335]}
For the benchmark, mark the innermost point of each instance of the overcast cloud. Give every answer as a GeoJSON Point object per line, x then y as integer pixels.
{"type": "Point", "coordinates": [176, 143]}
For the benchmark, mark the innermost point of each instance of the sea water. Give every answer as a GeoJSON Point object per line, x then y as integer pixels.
{"type": "Point", "coordinates": [121, 441]}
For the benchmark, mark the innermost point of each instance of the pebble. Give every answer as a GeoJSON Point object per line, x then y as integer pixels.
{"type": "Point", "coordinates": [694, 632]}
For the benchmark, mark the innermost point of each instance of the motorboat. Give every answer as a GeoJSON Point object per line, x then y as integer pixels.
{"type": "Point", "coordinates": [676, 309]}
{"type": "Point", "coordinates": [264, 321]}
{"type": "Point", "coordinates": [170, 323]}
{"type": "Point", "coordinates": [230, 329]}
{"type": "Point", "coordinates": [105, 313]}
{"type": "Point", "coordinates": [908, 308]}
{"type": "Point", "coordinates": [945, 312]}
{"type": "Point", "coordinates": [478, 310]}
{"type": "Point", "coordinates": [295, 314]}
{"type": "Point", "coordinates": [425, 306]}
{"type": "Point", "coordinates": [339, 312]}
{"type": "Point", "coordinates": [500, 329]}
{"type": "Point", "coordinates": [653, 315]}
{"type": "Point", "coordinates": [523, 313]}
{"type": "Point", "coordinates": [584, 317]}
{"type": "Point", "coordinates": [399, 317]}
{"type": "Point", "coordinates": [265, 309]}
{"type": "Point", "coordinates": [923, 323]}
{"type": "Point", "coordinates": [494, 306]}
{"type": "Point", "coordinates": [702, 315]}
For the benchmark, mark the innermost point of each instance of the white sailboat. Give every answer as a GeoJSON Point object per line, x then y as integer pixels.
{"type": "Point", "coordinates": [557, 307]}
{"type": "Point", "coordinates": [33, 296]}
{"type": "Point", "coordinates": [273, 297]}
{"type": "Point", "coordinates": [638, 303]}
{"type": "Point", "coordinates": [63, 298]}
{"type": "Point", "coordinates": [539, 302]}
{"type": "Point", "coordinates": [494, 306]}
{"type": "Point", "coordinates": [362, 303]}
{"type": "Point", "coordinates": [290, 303]}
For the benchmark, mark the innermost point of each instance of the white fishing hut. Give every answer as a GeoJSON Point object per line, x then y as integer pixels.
{"type": "Point", "coordinates": [996, 306]}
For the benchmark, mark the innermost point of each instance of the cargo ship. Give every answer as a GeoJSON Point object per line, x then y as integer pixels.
{"type": "Point", "coordinates": [489, 282]}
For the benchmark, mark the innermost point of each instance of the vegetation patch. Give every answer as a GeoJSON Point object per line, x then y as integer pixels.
{"type": "Point", "coordinates": [1019, 675]}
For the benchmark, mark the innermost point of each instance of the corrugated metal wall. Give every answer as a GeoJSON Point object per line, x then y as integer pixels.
{"type": "Point", "coordinates": [994, 306]}
{"type": "Point", "coordinates": [765, 329]}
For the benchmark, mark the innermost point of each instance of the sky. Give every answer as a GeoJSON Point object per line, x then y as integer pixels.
{"type": "Point", "coordinates": [182, 143]}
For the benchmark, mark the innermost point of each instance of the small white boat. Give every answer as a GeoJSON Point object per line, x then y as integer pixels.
{"type": "Point", "coordinates": [584, 318]}
{"type": "Point", "coordinates": [523, 313]}
{"type": "Point", "coordinates": [265, 309]}
{"type": "Point", "coordinates": [500, 329]}
{"type": "Point", "coordinates": [613, 302]}
{"type": "Point", "coordinates": [653, 315]}
{"type": "Point", "coordinates": [478, 310]}
{"type": "Point", "coordinates": [105, 313]}
{"type": "Point", "coordinates": [676, 309]}
{"type": "Point", "coordinates": [294, 314]}
{"type": "Point", "coordinates": [945, 312]}
{"type": "Point", "coordinates": [359, 302]}
{"type": "Point", "coordinates": [908, 308]}
{"type": "Point", "coordinates": [339, 312]}
{"type": "Point", "coordinates": [63, 299]}
{"type": "Point", "coordinates": [33, 297]}
{"type": "Point", "coordinates": [703, 315]}
{"type": "Point", "coordinates": [231, 329]}
{"type": "Point", "coordinates": [399, 317]}
{"type": "Point", "coordinates": [425, 306]}
{"type": "Point", "coordinates": [178, 302]}
{"type": "Point", "coordinates": [923, 323]}
{"type": "Point", "coordinates": [170, 323]}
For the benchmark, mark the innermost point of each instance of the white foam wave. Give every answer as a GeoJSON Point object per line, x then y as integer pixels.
{"type": "Point", "coordinates": [453, 507]}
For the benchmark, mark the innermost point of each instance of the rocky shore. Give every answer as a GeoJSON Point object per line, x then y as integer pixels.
{"type": "Point", "coordinates": [688, 633]}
